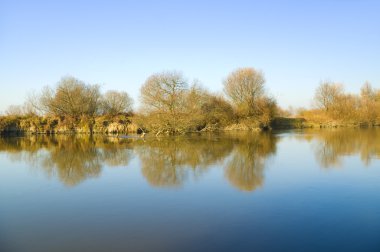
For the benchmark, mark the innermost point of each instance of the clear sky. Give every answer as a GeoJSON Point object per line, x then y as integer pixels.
{"type": "Point", "coordinates": [118, 44]}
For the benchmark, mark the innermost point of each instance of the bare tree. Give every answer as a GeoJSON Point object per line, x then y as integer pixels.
{"type": "Point", "coordinates": [266, 108]}
{"type": "Point", "coordinates": [14, 110]}
{"type": "Point", "coordinates": [368, 92]}
{"type": "Point", "coordinates": [163, 96]}
{"type": "Point", "coordinates": [216, 110]}
{"type": "Point", "coordinates": [164, 92]}
{"type": "Point", "coordinates": [30, 105]}
{"type": "Point", "coordinates": [114, 102]}
{"type": "Point", "coordinates": [369, 104]}
{"type": "Point", "coordinates": [21, 110]}
{"type": "Point", "coordinates": [244, 87]}
{"type": "Point", "coordinates": [71, 97]}
{"type": "Point", "coordinates": [44, 101]}
{"type": "Point", "coordinates": [327, 95]}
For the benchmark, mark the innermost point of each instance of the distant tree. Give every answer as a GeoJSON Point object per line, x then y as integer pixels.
{"type": "Point", "coordinates": [44, 101]}
{"type": "Point", "coordinates": [266, 109]}
{"type": "Point", "coordinates": [195, 97]}
{"type": "Point", "coordinates": [345, 108]}
{"type": "Point", "coordinates": [163, 94]}
{"type": "Point", "coordinates": [14, 110]}
{"type": "Point", "coordinates": [327, 94]}
{"type": "Point", "coordinates": [20, 110]}
{"type": "Point", "coordinates": [369, 104]}
{"type": "Point", "coordinates": [34, 102]}
{"type": "Point", "coordinates": [72, 98]}
{"type": "Point", "coordinates": [29, 109]}
{"type": "Point", "coordinates": [368, 92]}
{"type": "Point", "coordinates": [245, 86]}
{"type": "Point", "coordinates": [114, 102]}
{"type": "Point", "coordinates": [288, 112]}
{"type": "Point", "coordinates": [217, 111]}
{"type": "Point", "coordinates": [205, 109]}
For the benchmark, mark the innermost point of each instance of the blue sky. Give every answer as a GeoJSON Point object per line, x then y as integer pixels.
{"type": "Point", "coordinates": [118, 44]}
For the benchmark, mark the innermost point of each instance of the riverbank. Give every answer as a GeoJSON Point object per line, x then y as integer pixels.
{"type": "Point", "coordinates": [120, 124]}
{"type": "Point", "coordinates": [279, 123]}
{"type": "Point", "coordinates": [124, 124]}
{"type": "Point", "coordinates": [300, 123]}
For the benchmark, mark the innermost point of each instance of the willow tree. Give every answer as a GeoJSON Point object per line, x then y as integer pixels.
{"type": "Point", "coordinates": [163, 98]}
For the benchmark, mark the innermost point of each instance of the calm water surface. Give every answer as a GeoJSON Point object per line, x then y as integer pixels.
{"type": "Point", "coordinates": [285, 191]}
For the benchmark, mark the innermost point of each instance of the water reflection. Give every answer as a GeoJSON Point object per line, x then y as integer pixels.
{"type": "Point", "coordinates": [245, 169]}
{"type": "Point", "coordinates": [170, 162]}
{"type": "Point", "coordinates": [165, 162]}
{"type": "Point", "coordinates": [330, 146]}
{"type": "Point", "coordinates": [70, 158]}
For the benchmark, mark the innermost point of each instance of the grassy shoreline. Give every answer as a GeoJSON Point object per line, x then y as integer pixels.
{"type": "Point", "coordinates": [125, 124]}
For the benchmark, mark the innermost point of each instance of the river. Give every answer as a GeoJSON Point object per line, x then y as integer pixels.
{"type": "Point", "coordinates": [304, 190]}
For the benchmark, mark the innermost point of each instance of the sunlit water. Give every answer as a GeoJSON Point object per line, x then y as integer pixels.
{"type": "Point", "coordinates": [285, 191]}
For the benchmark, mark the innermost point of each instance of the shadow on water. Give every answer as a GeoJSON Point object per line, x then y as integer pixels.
{"type": "Point", "coordinates": [171, 161]}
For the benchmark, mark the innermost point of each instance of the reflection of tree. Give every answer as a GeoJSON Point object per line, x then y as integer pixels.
{"type": "Point", "coordinates": [332, 145]}
{"type": "Point", "coordinates": [115, 151]}
{"type": "Point", "coordinates": [170, 161]}
{"type": "Point", "coordinates": [160, 169]}
{"type": "Point", "coordinates": [71, 158]}
{"type": "Point", "coordinates": [166, 162]}
{"type": "Point", "coordinates": [245, 170]}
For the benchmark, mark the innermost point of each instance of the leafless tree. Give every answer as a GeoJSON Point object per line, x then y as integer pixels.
{"type": "Point", "coordinates": [327, 94]}
{"type": "Point", "coordinates": [21, 110]}
{"type": "Point", "coordinates": [164, 92]}
{"type": "Point", "coordinates": [244, 87]}
{"type": "Point", "coordinates": [114, 102]}
{"type": "Point", "coordinates": [71, 97]}
{"type": "Point", "coordinates": [14, 110]}
{"type": "Point", "coordinates": [163, 96]}
{"type": "Point", "coordinates": [369, 104]}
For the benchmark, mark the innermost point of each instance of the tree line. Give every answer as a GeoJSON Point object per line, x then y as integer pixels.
{"type": "Point", "coordinates": [332, 103]}
{"type": "Point", "coordinates": [169, 103]}
{"type": "Point", "coordinates": [74, 98]}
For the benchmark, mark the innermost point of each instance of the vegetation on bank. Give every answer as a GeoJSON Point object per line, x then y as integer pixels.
{"type": "Point", "coordinates": [170, 104]}
{"type": "Point", "coordinates": [334, 107]}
